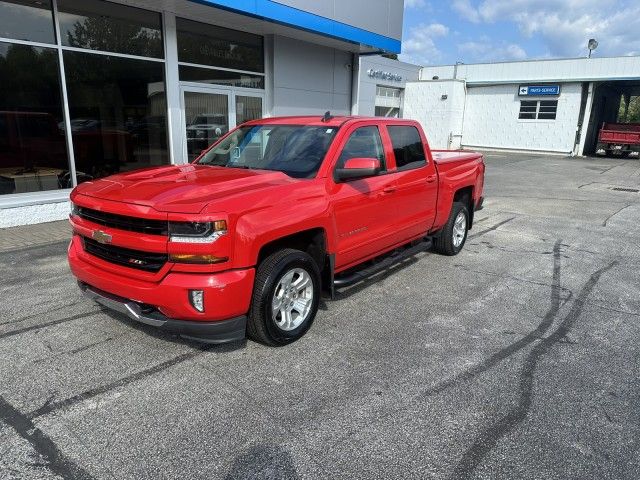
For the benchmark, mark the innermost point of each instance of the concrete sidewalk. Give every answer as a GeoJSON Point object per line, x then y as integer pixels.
{"type": "Point", "coordinates": [16, 238]}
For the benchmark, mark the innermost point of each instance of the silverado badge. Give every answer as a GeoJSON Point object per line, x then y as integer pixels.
{"type": "Point", "coordinates": [101, 237]}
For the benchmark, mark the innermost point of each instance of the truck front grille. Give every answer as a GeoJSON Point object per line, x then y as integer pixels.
{"type": "Point", "coordinates": [147, 261]}
{"type": "Point", "coordinates": [123, 222]}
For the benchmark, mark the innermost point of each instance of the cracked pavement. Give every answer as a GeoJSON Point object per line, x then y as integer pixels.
{"type": "Point", "coordinates": [517, 359]}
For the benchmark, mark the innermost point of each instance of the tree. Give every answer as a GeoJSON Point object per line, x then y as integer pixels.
{"type": "Point", "coordinates": [632, 114]}
{"type": "Point", "coordinates": [110, 35]}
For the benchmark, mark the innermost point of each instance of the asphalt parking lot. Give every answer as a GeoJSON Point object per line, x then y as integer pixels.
{"type": "Point", "coordinates": [517, 359]}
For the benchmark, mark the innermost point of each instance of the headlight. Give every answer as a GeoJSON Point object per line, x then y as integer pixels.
{"type": "Point", "coordinates": [197, 232]}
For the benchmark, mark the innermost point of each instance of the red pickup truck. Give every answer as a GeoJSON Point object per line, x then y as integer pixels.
{"type": "Point", "coordinates": [244, 240]}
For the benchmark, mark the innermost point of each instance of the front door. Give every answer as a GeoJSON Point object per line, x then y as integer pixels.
{"type": "Point", "coordinates": [208, 113]}
{"type": "Point", "coordinates": [363, 211]}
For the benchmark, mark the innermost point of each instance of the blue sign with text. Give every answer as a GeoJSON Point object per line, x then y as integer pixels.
{"type": "Point", "coordinates": [539, 90]}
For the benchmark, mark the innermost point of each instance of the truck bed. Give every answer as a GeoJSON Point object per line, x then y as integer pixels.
{"type": "Point", "coordinates": [620, 133]}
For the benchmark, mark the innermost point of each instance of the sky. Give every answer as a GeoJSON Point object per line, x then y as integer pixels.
{"type": "Point", "coordinates": [476, 31]}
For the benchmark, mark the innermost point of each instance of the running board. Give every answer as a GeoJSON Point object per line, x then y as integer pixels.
{"type": "Point", "coordinates": [384, 264]}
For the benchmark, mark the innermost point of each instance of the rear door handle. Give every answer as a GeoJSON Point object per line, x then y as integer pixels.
{"type": "Point", "coordinates": [431, 178]}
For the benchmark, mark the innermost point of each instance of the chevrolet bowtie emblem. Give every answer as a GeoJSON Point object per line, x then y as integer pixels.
{"type": "Point", "coordinates": [101, 237]}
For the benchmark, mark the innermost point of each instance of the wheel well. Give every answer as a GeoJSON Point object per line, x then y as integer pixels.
{"type": "Point", "coordinates": [465, 195]}
{"type": "Point", "coordinates": [311, 241]}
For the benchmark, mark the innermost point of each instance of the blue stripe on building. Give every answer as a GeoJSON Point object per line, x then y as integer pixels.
{"type": "Point", "coordinates": [285, 15]}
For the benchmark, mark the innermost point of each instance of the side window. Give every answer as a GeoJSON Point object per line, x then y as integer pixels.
{"type": "Point", "coordinates": [365, 142]}
{"type": "Point", "coordinates": [407, 147]}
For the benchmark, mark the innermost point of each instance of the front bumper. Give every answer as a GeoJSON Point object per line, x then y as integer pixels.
{"type": "Point", "coordinates": [221, 331]}
{"type": "Point", "coordinates": [164, 302]}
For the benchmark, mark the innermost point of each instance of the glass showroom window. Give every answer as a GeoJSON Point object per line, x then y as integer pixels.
{"type": "Point", "coordinates": [205, 44]}
{"type": "Point", "coordinates": [27, 20]}
{"type": "Point", "coordinates": [239, 54]}
{"type": "Point", "coordinates": [117, 104]}
{"type": "Point", "coordinates": [118, 113]}
{"type": "Point", "coordinates": [110, 27]}
{"type": "Point", "coordinates": [33, 155]}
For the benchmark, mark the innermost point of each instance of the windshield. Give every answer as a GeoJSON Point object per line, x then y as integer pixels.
{"type": "Point", "coordinates": [295, 150]}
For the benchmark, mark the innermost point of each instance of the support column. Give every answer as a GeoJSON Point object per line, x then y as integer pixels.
{"type": "Point", "coordinates": [175, 131]}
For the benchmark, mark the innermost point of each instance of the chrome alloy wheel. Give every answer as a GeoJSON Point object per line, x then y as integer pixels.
{"type": "Point", "coordinates": [292, 299]}
{"type": "Point", "coordinates": [459, 229]}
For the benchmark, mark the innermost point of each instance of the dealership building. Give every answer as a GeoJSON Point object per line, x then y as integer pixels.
{"type": "Point", "coordinates": [551, 106]}
{"type": "Point", "coordinates": [89, 88]}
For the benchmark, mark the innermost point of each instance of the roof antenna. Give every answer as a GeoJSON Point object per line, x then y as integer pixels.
{"type": "Point", "coordinates": [327, 116]}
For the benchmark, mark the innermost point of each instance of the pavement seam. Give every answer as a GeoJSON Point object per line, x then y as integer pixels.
{"type": "Point", "coordinates": [45, 312]}
{"type": "Point", "coordinates": [604, 224]}
{"type": "Point", "coordinates": [488, 439]}
{"type": "Point", "coordinates": [56, 461]}
{"type": "Point", "coordinates": [50, 407]}
{"type": "Point", "coordinates": [48, 324]}
{"type": "Point", "coordinates": [511, 349]}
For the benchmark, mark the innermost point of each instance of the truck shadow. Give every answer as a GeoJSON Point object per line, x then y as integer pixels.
{"type": "Point", "coordinates": [263, 461]}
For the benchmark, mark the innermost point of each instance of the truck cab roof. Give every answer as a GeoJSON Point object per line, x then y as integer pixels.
{"type": "Point", "coordinates": [318, 120]}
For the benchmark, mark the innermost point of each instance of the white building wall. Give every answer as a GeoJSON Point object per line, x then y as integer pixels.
{"type": "Point", "coordinates": [310, 79]}
{"type": "Point", "coordinates": [31, 214]}
{"type": "Point", "coordinates": [491, 120]}
{"type": "Point", "coordinates": [441, 118]}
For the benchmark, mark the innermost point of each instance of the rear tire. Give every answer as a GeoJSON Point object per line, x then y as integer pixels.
{"type": "Point", "coordinates": [454, 234]}
{"type": "Point", "coordinates": [286, 294]}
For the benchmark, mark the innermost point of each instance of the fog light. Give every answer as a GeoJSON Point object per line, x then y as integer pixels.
{"type": "Point", "coordinates": [196, 297]}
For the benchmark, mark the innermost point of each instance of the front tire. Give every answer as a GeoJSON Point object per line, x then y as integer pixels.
{"type": "Point", "coordinates": [454, 234]}
{"type": "Point", "coordinates": [285, 300]}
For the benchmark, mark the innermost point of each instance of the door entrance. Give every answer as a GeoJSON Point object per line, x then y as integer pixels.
{"type": "Point", "coordinates": [208, 113]}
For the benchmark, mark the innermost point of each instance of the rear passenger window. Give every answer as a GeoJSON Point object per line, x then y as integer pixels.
{"type": "Point", "coordinates": [407, 147]}
{"type": "Point", "coordinates": [364, 142]}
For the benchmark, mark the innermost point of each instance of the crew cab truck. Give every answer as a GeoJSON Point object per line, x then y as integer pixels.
{"type": "Point", "coordinates": [244, 240]}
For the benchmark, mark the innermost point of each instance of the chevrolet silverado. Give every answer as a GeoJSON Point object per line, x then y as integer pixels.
{"type": "Point", "coordinates": [244, 240]}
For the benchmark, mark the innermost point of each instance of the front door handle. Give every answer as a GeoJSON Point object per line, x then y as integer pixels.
{"type": "Point", "coordinates": [388, 189]}
{"type": "Point", "coordinates": [431, 178]}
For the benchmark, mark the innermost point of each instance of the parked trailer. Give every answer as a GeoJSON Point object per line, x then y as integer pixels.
{"type": "Point", "coordinates": [619, 139]}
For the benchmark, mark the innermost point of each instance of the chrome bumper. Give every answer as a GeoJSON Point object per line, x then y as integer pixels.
{"type": "Point", "coordinates": [129, 308]}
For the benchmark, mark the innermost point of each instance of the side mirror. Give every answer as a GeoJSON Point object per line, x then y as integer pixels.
{"type": "Point", "coordinates": [358, 168]}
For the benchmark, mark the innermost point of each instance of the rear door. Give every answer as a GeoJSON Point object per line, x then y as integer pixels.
{"type": "Point", "coordinates": [416, 180]}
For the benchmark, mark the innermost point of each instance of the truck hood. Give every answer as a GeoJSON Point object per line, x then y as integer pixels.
{"type": "Point", "coordinates": [181, 189]}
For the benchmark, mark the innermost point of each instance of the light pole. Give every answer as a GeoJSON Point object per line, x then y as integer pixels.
{"type": "Point", "coordinates": [592, 45]}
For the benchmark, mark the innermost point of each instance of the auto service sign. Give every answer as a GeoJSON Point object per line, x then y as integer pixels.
{"type": "Point", "coordinates": [538, 90]}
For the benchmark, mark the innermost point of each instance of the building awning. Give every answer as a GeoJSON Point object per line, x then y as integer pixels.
{"type": "Point", "coordinates": [288, 16]}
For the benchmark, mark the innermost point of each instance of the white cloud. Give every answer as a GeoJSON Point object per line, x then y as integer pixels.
{"type": "Point", "coordinates": [484, 51]}
{"type": "Point", "coordinates": [414, 3]}
{"type": "Point", "coordinates": [565, 26]}
{"type": "Point", "coordinates": [466, 10]}
{"type": "Point", "coordinates": [420, 47]}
